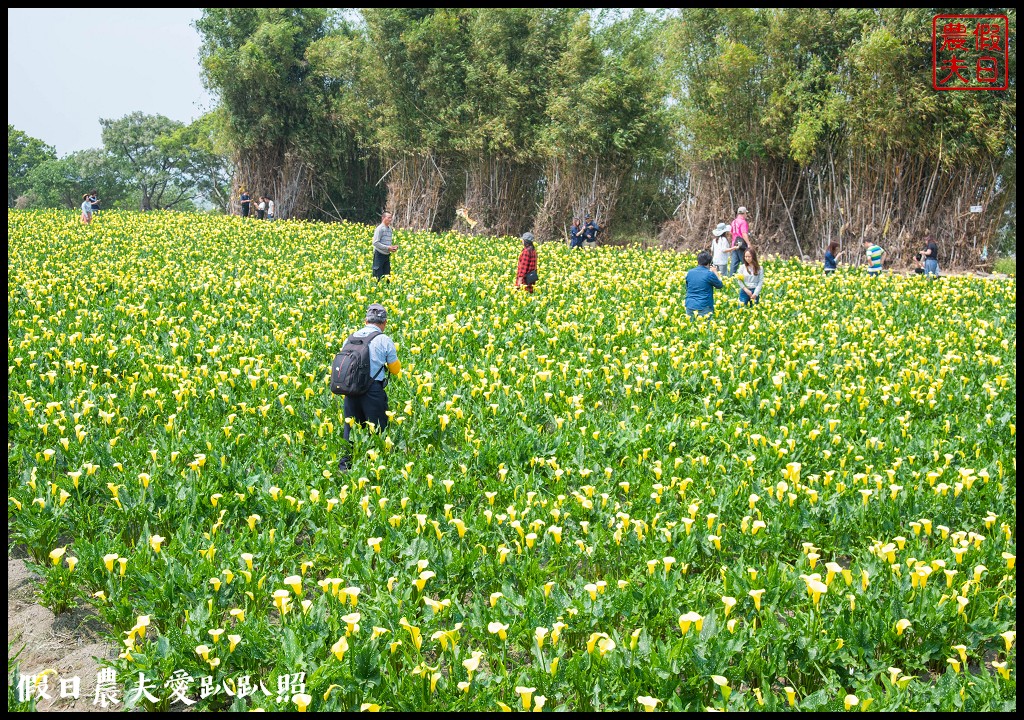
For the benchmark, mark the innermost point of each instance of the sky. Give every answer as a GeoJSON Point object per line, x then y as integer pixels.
{"type": "Point", "coordinates": [67, 68]}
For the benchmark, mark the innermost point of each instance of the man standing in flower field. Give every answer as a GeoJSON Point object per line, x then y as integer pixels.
{"type": "Point", "coordinates": [371, 407]}
{"type": "Point", "coordinates": [383, 247]}
{"type": "Point", "coordinates": [245, 201]}
{"type": "Point", "coordinates": [874, 253]}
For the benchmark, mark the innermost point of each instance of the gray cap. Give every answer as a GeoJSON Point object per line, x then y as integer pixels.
{"type": "Point", "coordinates": [376, 313]}
{"type": "Point", "coordinates": [528, 237]}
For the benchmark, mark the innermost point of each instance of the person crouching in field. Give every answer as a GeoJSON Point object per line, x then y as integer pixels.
{"type": "Point", "coordinates": [875, 254]}
{"type": "Point", "coordinates": [701, 283]}
{"type": "Point", "coordinates": [753, 278]}
{"type": "Point", "coordinates": [832, 258]}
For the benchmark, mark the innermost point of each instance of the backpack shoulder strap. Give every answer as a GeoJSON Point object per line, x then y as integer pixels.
{"type": "Point", "coordinates": [369, 339]}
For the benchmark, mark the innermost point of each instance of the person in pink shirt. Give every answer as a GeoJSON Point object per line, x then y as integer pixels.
{"type": "Point", "coordinates": [740, 238]}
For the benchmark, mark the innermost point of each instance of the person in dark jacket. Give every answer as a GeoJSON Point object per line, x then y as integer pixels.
{"type": "Point", "coordinates": [831, 258]}
{"type": "Point", "coordinates": [590, 230]}
{"type": "Point", "coordinates": [576, 234]}
{"type": "Point", "coordinates": [930, 257]}
{"type": "Point", "coordinates": [245, 201]}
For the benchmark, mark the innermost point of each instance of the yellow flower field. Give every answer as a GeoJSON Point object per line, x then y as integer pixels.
{"type": "Point", "coordinates": [585, 499]}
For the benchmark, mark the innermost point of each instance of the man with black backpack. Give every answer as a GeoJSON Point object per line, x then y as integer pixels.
{"type": "Point", "coordinates": [360, 373]}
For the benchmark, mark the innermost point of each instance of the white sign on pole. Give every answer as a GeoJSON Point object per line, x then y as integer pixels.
{"type": "Point", "coordinates": [976, 208]}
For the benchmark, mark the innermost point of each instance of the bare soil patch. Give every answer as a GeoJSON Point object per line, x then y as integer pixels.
{"type": "Point", "coordinates": [70, 645]}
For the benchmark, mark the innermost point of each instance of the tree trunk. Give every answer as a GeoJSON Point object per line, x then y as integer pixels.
{"type": "Point", "coordinates": [500, 195]}
{"type": "Point", "coordinates": [576, 187]}
{"type": "Point", "coordinates": [415, 187]}
{"type": "Point", "coordinates": [280, 175]}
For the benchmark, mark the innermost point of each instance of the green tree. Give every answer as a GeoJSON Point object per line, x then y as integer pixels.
{"type": "Point", "coordinates": [24, 153]}
{"type": "Point", "coordinates": [608, 118]}
{"type": "Point", "coordinates": [414, 87]}
{"type": "Point", "coordinates": [205, 160]}
{"type": "Point", "coordinates": [416, 64]}
{"type": "Point", "coordinates": [511, 59]}
{"type": "Point", "coordinates": [825, 124]}
{"type": "Point", "coordinates": [261, 64]}
{"type": "Point", "coordinates": [61, 182]}
{"type": "Point", "coordinates": [155, 158]}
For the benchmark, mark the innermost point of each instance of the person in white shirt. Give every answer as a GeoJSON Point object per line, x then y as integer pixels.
{"type": "Point", "coordinates": [720, 247]}
{"type": "Point", "coordinates": [86, 209]}
{"type": "Point", "coordinates": [270, 209]}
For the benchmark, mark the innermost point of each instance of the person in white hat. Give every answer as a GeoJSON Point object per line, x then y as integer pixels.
{"type": "Point", "coordinates": [720, 246]}
{"type": "Point", "coordinates": [740, 238]}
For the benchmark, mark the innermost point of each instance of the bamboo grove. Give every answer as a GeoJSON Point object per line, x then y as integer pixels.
{"type": "Point", "coordinates": [823, 121]}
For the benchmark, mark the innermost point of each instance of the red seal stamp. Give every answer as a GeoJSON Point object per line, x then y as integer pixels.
{"type": "Point", "coordinates": [970, 52]}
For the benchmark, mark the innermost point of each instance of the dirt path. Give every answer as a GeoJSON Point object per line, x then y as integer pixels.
{"type": "Point", "coordinates": [68, 645]}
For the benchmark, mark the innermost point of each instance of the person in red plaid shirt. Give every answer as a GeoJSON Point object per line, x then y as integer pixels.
{"type": "Point", "coordinates": [526, 270]}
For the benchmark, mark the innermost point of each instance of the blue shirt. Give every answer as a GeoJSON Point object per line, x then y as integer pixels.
{"type": "Point", "coordinates": [382, 351]}
{"type": "Point", "coordinates": [830, 261]}
{"type": "Point", "coordinates": [700, 284]}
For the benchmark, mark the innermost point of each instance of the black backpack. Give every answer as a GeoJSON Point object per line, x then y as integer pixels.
{"type": "Point", "coordinates": [350, 371]}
